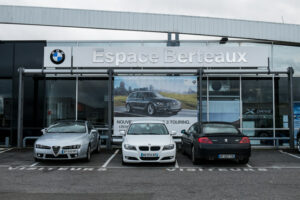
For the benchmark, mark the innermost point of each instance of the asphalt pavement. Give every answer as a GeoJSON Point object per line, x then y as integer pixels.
{"type": "Point", "coordinates": [270, 174]}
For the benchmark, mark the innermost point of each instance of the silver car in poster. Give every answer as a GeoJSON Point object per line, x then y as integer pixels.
{"type": "Point", "coordinates": [67, 140]}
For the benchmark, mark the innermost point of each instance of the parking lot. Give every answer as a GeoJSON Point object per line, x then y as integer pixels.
{"type": "Point", "coordinates": [270, 174]}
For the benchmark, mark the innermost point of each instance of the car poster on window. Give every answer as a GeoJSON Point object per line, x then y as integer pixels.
{"type": "Point", "coordinates": [171, 99]}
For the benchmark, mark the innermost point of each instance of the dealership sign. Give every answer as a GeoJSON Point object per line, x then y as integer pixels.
{"type": "Point", "coordinates": [156, 57]}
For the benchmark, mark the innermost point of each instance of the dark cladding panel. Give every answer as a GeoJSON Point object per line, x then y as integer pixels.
{"type": "Point", "coordinates": [6, 58]}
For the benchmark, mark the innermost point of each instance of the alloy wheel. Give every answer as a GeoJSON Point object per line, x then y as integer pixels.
{"type": "Point", "coordinates": [128, 108]}
{"type": "Point", "coordinates": [150, 109]}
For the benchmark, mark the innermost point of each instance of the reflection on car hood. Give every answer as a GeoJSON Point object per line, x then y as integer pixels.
{"type": "Point", "coordinates": [141, 140]}
{"type": "Point", "coordinates": [61, 139]}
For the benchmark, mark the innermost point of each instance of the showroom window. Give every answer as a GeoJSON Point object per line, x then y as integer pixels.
{"type": "Point", "coordinates": [93, 100]}
{"type": "Point", "coordinates": [257, 98]}
{"type": "Point", "coordinates": [60, 99]}
{"type": "Point", "coordinates": [224, 99]}
{"type": "Point", "coordinates": [5, 109]}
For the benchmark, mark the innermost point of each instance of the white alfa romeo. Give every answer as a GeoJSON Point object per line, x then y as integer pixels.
{"type": "Point", "coordinates": [148, 142]}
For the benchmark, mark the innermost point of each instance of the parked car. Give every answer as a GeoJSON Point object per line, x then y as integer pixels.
{"type": "Point", "coordinates": [215, 140]}
{"type": "Point", "coordinates": [66, 140]}
{"type": "Point", "coordinates": [151, 102]}
{"type": "Point", "coordinates": [148, 142]}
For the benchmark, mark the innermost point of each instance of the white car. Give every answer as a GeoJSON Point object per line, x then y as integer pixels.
{"type": "Point", "coordinates": [148, 142]}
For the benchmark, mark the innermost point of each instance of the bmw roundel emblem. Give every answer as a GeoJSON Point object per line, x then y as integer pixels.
{"type": "Point", "coordinates": [57, 56]}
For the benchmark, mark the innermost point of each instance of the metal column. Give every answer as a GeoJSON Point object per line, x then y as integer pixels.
{"type": "Point", "coordinates": [20, 107]}
{"type": "Point", "coordinates": [200, 74]}
{"type": "Point", "coordinates": [291, 100]}
{"type": "Point", "coordinates": [110, 107]}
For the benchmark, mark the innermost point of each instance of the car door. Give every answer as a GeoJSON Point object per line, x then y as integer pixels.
{"type": "Point", "coordinates": [93, 136]}
{"type": "Point", "coordinates": [190, 138]}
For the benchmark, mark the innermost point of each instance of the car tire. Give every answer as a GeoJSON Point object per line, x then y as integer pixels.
{"type": "Point", "coordinates": [124, 163]}
{"type": "Point", "coordinates": [128, 108]}
{"type": "Point", "coordinates": [150, 109]}
{"type": "Point", "coordinates": [36, 159]}
{"type": "Point", "coordinates": [195, 161]}
{"type": "Point", "coordinates": [298, 144]}
{"type": "Point", "coordinates": [98, 146]}
{"type": "Point", "coordinates": [243, 161]}
{"type": "Point", "coordinates": [88, 154]}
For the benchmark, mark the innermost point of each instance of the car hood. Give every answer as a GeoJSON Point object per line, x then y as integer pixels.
{"type": "Point", "coordinates": [59, 139]}
{"type": "Point", "coordinates": [141, 140]}
{"type": "Point", "coordinates": [165, 99]}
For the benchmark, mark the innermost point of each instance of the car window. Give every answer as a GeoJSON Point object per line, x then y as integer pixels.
{"type": "Point", "coordinates": [214, 128]}
{"type": "Point", "coordinates": [147, 129]}
{"type": "Point", "coordinates": [67, 127]}
{"type": "Point", "coordinates": [139, 95]}
{"type": "Point", "coordinates": [192, 129]}
{"type": "Point", "coordinates": [132, 95]}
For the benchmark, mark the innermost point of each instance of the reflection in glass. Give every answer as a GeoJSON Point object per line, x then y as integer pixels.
{"type": "Point", "coordinates": [5, 102]}
{"type": "Point", "coordinates": [93, 100]}
{"type": "Point", "coordinates": [286, 56]}
{"type": "Point", "coordinates": [224, 100]}
{"type": "Point", "coordinates": [60, 100]}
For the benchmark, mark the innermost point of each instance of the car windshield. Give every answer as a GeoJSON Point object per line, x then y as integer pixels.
{"type": "Point", "coordinates": [67, 127]}
{"type": "Point", "coordinates": [156, 94]}
{"type": "Point", "coordinates": [215, 128]}
{"type": "Point", "coordinates": [147, 129]}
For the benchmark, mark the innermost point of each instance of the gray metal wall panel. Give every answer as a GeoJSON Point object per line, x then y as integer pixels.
{"type": "Point", "coordinates": [150, 22]}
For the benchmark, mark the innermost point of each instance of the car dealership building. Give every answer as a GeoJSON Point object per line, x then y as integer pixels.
{"type": "Point", "coordinates": [247, 80]}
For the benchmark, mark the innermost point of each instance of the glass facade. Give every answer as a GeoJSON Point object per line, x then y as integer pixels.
{"type": "Point", "coordinates": [258, 105]}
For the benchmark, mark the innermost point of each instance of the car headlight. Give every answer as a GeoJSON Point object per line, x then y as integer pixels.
{"type": "Point", "coordinates": [159, 103]}
{"type": "Point", "coordinates": [77, 146]}
{"type": "Point", "coordinates": [169, 147]}
{"type": "Point", "coordinates": [129, 147]}
{"type": "Point", "coordinates": [39, 146]}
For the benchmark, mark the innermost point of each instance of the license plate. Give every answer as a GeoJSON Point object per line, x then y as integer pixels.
{"type": "Point", "coordinates": [149, 154]}
{"type": "Point", "coordinates": [226, 156]}
{"type": "Point", "coordinates": [69, 151]}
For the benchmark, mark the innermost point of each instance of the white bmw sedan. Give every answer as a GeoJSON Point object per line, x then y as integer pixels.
{"type": "Point", "coordinates": [148, 142]}
{"type": "Point", "coordinates": [67, 140]}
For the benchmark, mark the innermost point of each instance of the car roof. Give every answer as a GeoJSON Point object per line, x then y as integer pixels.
{"type": "Point", "coordinates": [70, 120]}
{"type": "Point", "coordinates": [147, 122]}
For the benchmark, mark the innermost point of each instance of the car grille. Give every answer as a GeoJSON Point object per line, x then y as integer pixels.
{"type": "Point", "coordinates": [144, 148]}
{"type": "Point", "coordinates": [59, 156]}
{"type": "Point", "coordinates": [55, 149]}
{"type": "Point", "coordinates": [155, 148]}
{"type": "Point", "coordinates": [152, 148]}
{"type": "Point", "coordinates": [149, 158]}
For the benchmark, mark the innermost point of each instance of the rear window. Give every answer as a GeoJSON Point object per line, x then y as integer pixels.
{"type": "Point", "coordinates": [219, 129]}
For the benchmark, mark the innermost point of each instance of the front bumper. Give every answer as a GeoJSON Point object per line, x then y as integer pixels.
{"type": "Point", "coordinates": [167, 108]}
{"type": "Point", "coordinates": [134, 156]}
{"type": "Point", "coordinates": [212, 151]}
{"type": "Point", "coordinates": [48, 154]}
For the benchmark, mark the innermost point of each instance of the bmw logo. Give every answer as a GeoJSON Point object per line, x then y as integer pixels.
{"type": "Point", "coordinates": [57, 56]}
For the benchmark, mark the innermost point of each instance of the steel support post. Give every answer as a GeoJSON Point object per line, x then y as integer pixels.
{"type": "Point", "coordinates": [110, 108]}
{"type": "Point", "coordinates": [200, 74]}
{"type": "Point", "coordinates": [20, 107]}
{"type": "Point", "coordinates": [291, 113]}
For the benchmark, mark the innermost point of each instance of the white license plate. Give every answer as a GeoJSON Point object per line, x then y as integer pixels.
{"type": "Point", "coordinates": [149, 154]}
{"type": "Point", "coordinates": [69, 151]}
{"type": "Point", "coordinates": [226, 156]}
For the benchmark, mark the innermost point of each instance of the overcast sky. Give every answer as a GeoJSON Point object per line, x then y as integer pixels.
{"type": "Point", "coordinates": [286, 11]}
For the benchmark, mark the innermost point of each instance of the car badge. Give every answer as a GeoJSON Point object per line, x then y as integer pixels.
{"type": "Point", "coordinates": [226, 140]}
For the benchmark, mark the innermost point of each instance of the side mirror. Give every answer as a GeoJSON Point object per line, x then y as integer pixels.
{"type": "Point", "coordinates": [173, 133]}
{"type": "Point", "coordinates": [44, 131]}
{"type": "Point", "coordinates": [122, 133]}
{"type": "Point", "coordinates": [184, 132]}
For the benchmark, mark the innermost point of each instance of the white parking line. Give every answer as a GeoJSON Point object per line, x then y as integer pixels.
{"type": "Point", "coordinates": [289, 154]}
{"type": "Point", "coordinates": [249, 166]}
{"type": "Point", "coordinates": [34, 164]}
{"type": "Point", "coordinates": [6, 150]}
{"type": "Point", "coordinates": [176, 164]}
{"type": "Point", "coordinates": [110, 158]}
